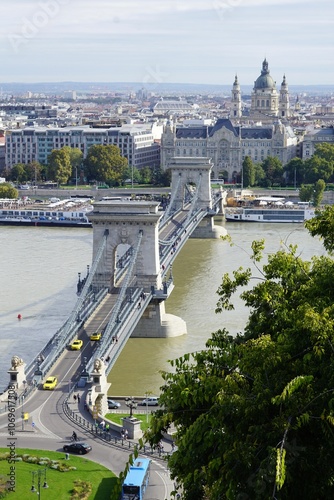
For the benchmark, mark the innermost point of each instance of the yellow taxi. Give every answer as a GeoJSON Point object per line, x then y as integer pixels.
{"type": "Point", "coordinates": [76, 345]}
{"type": "Point", "coordinates": [50, 383]}
{"type": "Point", "coordinates": [96, 336]}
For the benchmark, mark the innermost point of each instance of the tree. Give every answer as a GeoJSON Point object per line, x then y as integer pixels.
{"type": "Point", "coordinates": [18, 173]}
{"type": "Point", "coordinates": [145, 175]}
{"type": "Point", "coordinates": [59, 165]}
{"type": "Point", "coordinates": [248, 172]}
{"type": "Point", "coordinates": [76, 156]}
{"type": "Point", "coordinates": [317, 168]}
{"type": "Point", "coordinates": [295, 170]}
{"type": "Point", "coordinates": [305, 193]}
{"type": "Point", "coordinates": [325, 151]}
{"type": "Point", "coordinates": [318, 192]}
{"type": "Point", "coordinates": [8, 191]}
{"type": "Point", "coordinates": [105, 164]}
{"type": "Point", "coordinates": [273, 170]}
{"type": "Point", "coordinates": [34, 171]}
{"type": "Point", "coordinates": [254, 414]}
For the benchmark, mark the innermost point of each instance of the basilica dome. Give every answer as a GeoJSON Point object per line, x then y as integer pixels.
{"type": "Point", "coordinates": [264, 81]}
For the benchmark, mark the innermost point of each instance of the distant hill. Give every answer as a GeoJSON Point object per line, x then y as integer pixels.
{"type": "Point", "coordinates": [56, 88]}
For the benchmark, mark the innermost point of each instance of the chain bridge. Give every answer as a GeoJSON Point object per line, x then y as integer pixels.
{"type": "Point", "coordinates": [124, 292]}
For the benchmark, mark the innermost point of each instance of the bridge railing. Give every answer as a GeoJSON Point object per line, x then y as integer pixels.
{"type": "Point", "coordinates": [40, 365]}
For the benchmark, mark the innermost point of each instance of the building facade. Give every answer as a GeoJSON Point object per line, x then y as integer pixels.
{"type": "Point", "coordinates": [29, 144]}
{"type": "Point", "coordinates": [228, 145]}
{"type": "Point", "coordinates": [314, 137]}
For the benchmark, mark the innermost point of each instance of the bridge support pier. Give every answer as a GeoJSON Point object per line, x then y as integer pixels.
{"type": "Point", "coordinates": [156, 323]}
{"type": "Point", "coordinates": [207, 229]}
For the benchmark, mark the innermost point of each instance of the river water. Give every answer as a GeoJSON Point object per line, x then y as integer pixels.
{"type": "Point", "coordinates": [39, 270]}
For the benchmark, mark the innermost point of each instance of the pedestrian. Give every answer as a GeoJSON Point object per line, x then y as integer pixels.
{"type": "Point", "coordinates": [102, 424]}
{"type": "Point", "coordinates": [126, 434]}
{"type": "Point", "coordinates": [75, 397]}
{"type": "Point", "coordinates": [78, 398]}
{"type": "Point", "coordinates": [74, 436]}
{"type": "Point", "coordinates": [123, 433]}
{"type": "Point", "coordinates": [107, 427]}
{"type": "Point", "coordinates": [139, 305]}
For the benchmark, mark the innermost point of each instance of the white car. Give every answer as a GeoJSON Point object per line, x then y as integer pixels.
{"type": "Point", "coordinates": [153, 401]}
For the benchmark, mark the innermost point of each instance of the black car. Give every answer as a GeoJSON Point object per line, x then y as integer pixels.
{"type": "Point", "coordinates": [79, 448]}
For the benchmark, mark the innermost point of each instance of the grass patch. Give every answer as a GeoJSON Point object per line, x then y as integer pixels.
{"type": "Point", "coordinates": [117, 418]}
{"type": "Point", "coordinates": [83, 478]}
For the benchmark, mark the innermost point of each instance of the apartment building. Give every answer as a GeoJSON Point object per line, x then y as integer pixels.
{"type": "Point", "coordinates": [29, 144]}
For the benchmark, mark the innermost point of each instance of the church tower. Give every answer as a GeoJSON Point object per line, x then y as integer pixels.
{"type": "Point", "coordinates": [284, 106]}
{"type": "Point", "coordinates": [264, 95]}
{"type": "Point", "coordinates": [236, 99]}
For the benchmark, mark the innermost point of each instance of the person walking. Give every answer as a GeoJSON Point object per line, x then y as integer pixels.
{"type": "Point", "coordinates": [78, 398]}
{"type": "Point", "coordinates": [74, 436]}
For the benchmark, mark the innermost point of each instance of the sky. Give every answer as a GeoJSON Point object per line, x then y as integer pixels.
{"type": "Point", "coordinates": [166, 41]}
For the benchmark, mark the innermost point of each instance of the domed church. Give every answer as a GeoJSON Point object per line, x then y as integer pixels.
{"type": "Point", "coordinates": [266, 101]}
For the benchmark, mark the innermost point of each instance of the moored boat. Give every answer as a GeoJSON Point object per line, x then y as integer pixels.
{"type": "Point", "coordinates": [270, 215]}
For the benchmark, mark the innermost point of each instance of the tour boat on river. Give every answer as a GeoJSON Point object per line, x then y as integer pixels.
{"type": "Point", "coordinates": [271, 211]}
{"type": "Point", "coordinates": [59, 214]}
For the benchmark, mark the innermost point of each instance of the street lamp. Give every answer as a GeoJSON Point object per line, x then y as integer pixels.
{"type": "Point", "coordinates": [22, 414]}
{"type": "Point", "coordinates": [38, 474]}
{"type": "Point", "coordinates": [131, 403]}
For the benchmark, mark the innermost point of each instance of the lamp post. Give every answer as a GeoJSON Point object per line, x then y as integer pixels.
{"type": "Point", "coordinates": [22, 414]}
{"type": "Point", "coordinates": [132, 404]}
{"type": "Point", "coordinates": [38, 475]}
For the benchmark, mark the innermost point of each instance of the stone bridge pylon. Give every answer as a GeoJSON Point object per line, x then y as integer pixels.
{"type": "Point", "coordinates": [126, 220]}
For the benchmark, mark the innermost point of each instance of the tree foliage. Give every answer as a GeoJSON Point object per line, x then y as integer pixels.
{"type": "Point", "coordinates": [59, 165]}
{"type": "Point", "coordinates": [105, 164]}
{"type": "Point", "coordinates": [248, 172]}
{"type": "Point", "coordinates": [8, 191]}
{"type": "Point", "coordinates": [254, 414]}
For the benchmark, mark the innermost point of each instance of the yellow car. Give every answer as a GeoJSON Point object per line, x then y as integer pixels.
{"type": "Point", "coordinates": [76, 345]}
{"type": "Point", "coordinates": [50, 383]}
{"type": "Point", "coordinates": [96, 336]}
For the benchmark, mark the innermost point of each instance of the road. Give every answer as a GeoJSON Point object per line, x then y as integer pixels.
{"type": "Point", "coordinates": [48, 428]}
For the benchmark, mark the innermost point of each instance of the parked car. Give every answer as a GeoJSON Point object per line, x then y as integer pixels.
{"type": "Point", "coordinates": [152, 401]}
{"type": "Point", "coordinates": [76, 345]}
{"type": "Point", "coordinates": [96, 336]}
{"type": "Point", "coordinates": [113, 405]}
{"type": "Point", "coordinates": [50, 383]}
{"type": "Point", "coordinates": [79, 448]}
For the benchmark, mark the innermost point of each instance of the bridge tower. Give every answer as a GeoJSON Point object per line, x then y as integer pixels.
{"type": "Point", "coordinates": [126, 219]}
{"type": "Point", "coordinates": [196, 172]}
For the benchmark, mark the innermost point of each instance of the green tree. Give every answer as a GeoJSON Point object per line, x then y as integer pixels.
{"type": "Point", "coordinates": [318, 192]}
{"type": "Point", "coordinates": [254, 414]}
{"type": "Point", "coordinates": [8, 191]}
{"type": "Point", "coordinates": [59, 165]}
{"type": "Point", "coordinates": [317, 168]}
{"type": "Point", "coordinates": [273, 170]}
{"type": "Point", "coordinates": [105, 164]}
{"type": "Point", "coordinates": [325, 151]}
{"type": "Point", "coordinates": [145, 175]}
{"type": "Point", "coordinates": [18, 173]}
{"type": "Point", "coordinates": [76, 158]}
{"type": "Point", "coordinates": [305, 192]}
{"type": "Point", "coordinates": [248, 172]}
{"type": "Point", "coordinates": [295, 170]}
{"type": "Point", "coordinates": [34, 171]}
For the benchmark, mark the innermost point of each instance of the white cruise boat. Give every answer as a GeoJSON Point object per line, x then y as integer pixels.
{"type": "Point", "coordinates": [277, 211]}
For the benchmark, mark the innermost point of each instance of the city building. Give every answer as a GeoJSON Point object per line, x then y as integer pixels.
{"type": "Point", "coordinates": [266, 101]}
{"type": "Point", "coordinates": [314, 137]}
{"type": "Point", "coordinates": [136, 143]}
{"type": "Point", "coordinates": [228, 144]}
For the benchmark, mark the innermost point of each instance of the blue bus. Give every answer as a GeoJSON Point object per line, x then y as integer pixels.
{"type": "Point", "coordinates": [136, 480]}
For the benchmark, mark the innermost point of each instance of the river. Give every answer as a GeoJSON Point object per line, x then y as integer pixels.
{"type": "Point", "coordinates": [39, 270]}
